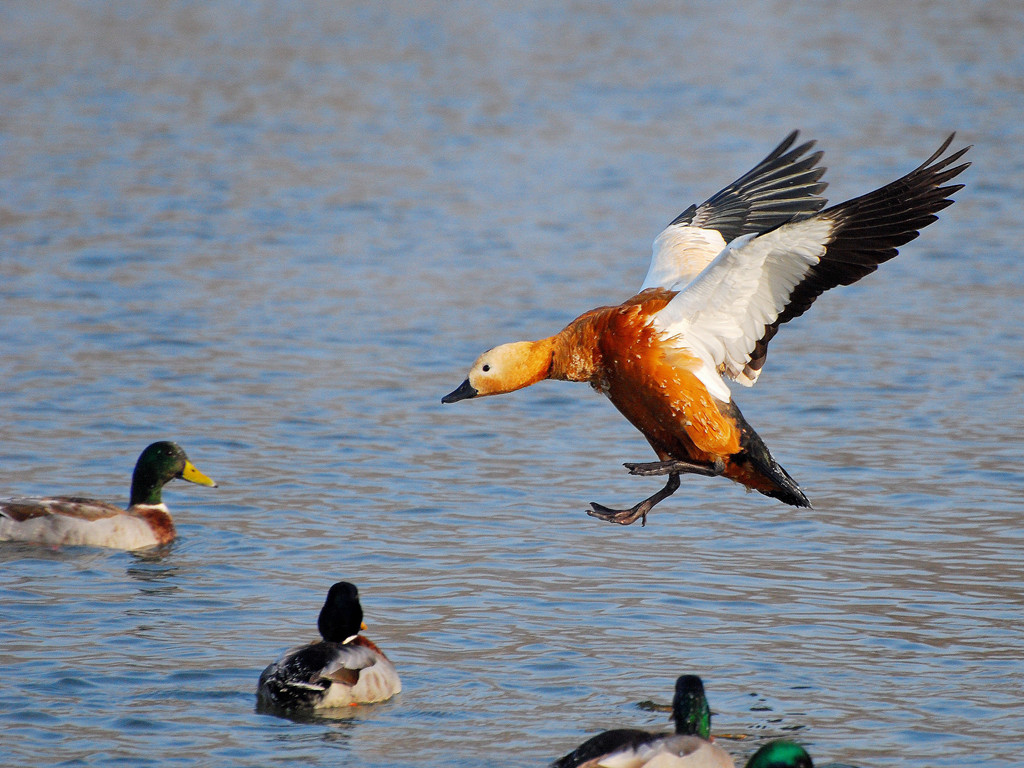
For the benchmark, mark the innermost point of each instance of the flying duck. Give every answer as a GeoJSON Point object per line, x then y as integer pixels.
{"type": "Point", "coordinates": [723, 277]}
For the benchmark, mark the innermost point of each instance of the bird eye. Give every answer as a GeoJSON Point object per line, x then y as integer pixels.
{"type": "Point", "coordinates": [486, 368]}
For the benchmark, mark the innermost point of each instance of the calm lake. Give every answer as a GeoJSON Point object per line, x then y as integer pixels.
{"type": "Point", "coordinates": [279, 232]}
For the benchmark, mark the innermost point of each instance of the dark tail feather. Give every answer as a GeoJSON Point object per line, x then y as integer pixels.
{"type": "Point", "coordinates": [756, 468]}
{"type": "Point", "coordinates": [785, 488]}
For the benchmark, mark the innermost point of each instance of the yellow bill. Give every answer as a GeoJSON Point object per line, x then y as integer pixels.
{"type": "Point", "coordinates": [193, 475]}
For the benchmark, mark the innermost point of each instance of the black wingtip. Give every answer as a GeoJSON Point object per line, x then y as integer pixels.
{"type": "Point", "coordinates": [786, 184]}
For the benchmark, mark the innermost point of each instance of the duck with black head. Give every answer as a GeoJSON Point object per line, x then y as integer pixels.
{"type": "Point", "coordinates": [342, 669]}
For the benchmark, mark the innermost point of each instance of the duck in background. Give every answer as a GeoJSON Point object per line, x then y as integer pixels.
{"type": "Point", "coordinates": [635, 747]}
{"type": "Point", "coordinates": [672, 753]}
{"type": "Point", "coordinates": [77, 521]}
{"type": "Point", "coordinates": [342, 669]}
{"type": "Point", "coordinates": [689, 747]}
{"type": "Point", "coordinates": [780, 754]}
{"type": "Point", "coordinates": [724, 276]}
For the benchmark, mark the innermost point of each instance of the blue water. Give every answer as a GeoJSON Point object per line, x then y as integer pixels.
{"type": "Point", "coordinates": [278, 233]}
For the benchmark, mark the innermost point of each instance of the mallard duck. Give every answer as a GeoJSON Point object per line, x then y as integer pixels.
{"type": "Point", "coordinates": [780, 754]}
{"type": "Point", "coordinates": [632, 748]}
{"type": "Point", "coordinates": [675, 752]}
{"type": "Point", "coordinates": [724, 277]}
{"type": "Point", "coordinates": [684, 752]}
{"type": "Point", "coordinates": [76, 521]}
{"type": "Point", "coordinates": [343, 669]}
{"type": "Point", "coordinates": [688, 747]}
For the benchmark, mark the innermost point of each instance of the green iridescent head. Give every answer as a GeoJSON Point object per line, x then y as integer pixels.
{"type": "Point", "coordinates": [780, 754]}
{"type": "Point", "coordinates": [690, 708]}
{"type": "Point", "coordinates": [158, 465]}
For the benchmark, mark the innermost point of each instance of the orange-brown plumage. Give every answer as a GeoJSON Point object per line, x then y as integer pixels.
{"type": "Point", "coordinates": [654, 385]}
{"type": "Point", "coordinates": [724, 276]}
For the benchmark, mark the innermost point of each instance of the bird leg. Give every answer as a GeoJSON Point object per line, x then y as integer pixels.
{"type": "Point", "coordinates": [670, 467]}
{"type": "Point", "coordinates": [627, 516]}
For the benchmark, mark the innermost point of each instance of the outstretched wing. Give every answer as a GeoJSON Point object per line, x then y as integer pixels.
{"type": "Point", "coordinates": [783, 186]}
{"type": "Point", "coordinates": [729, 313]}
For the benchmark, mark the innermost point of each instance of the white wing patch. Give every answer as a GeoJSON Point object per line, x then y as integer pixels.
{"type": "Point", "coordinates": [723, 312]}
{"type": "Point", "coordinates": [378, 679]}
{"type": "Point", "coordinates": [680, 252]}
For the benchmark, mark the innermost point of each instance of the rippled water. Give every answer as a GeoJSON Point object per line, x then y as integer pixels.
{"type": "Point", "coordinates": [278, 232]}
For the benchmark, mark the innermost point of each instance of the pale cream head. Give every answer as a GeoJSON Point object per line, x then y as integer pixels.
{"type": "Point", "coordinates": [505, 368]}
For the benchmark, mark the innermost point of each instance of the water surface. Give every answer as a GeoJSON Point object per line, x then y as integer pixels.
{"type": "Point", "coordinates": [277, 233]}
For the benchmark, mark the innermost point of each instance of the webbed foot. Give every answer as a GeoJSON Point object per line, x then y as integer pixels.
{"type": "Point", "coordinates": [639, 511]}
{"type": "Point", "coordinates": [675, 466]}
{"type": "Point", "coordinates": [620, 516]}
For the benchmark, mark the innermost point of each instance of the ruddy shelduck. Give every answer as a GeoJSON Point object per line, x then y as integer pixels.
{"type": "Point", "coordinates": [723, 277]}
{"type": "Point", "coordinates": [343, 669]}
{"type": "Point", "coordinates": [77, 521]}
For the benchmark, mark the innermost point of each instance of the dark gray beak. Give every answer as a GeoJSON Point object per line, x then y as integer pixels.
{"type": "Point", "coordinates": [464, 392]}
